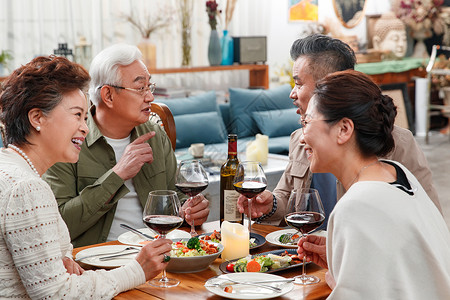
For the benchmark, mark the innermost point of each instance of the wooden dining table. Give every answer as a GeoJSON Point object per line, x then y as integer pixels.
{"type": "Point", "coordinates": [192, 284]}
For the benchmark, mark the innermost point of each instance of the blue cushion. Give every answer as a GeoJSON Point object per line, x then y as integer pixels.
{"type": "Point", "coordinates": [281, 122]}
{"type": "Point", "coordinates": [279, 145]}
{"type": "Point", "coordinates": [206, 127]}
{"type": "Point", "coordinates": [196, 104]}
{"type": "Point", "coordinates": [244, 102]}
{"type": "Point", "coordinates": [225, 113]}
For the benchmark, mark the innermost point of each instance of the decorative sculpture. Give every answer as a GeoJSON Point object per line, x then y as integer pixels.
{"type": "Point", "coordinates": [390, 35]}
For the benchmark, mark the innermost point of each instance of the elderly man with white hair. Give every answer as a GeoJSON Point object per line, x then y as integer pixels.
{"type": "Point", "coordinates": [124, 157]}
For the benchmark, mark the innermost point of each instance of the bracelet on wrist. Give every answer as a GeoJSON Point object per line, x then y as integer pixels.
{"type": "Point", "coordinates": [274, 209]}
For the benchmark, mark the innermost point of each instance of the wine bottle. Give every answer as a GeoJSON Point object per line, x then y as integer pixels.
{"type": "Point", "coordinates": [228, 195]}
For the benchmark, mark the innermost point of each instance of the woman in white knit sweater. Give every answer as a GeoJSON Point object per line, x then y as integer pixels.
{"type": "Point", "coordinates": [385, 238]}
{"type": "Point", "coordinates": [44, 112]}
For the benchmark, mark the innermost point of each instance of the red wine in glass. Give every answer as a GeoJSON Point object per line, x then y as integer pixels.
{"type": "Point", "coordinates": [250, 189]}
{"type": "Point", "coordinates": [163, 224]}
{"type": "Point", "coordinates": [163, 213]}
{"type": "Point", "coordinates": [249, 181]}
{"type": "Point", "coordinates": [306, 221]}
{"type": "Point", "coordinates": [305, 213]}
{"type": "Point", "coordinates": [191, 179]}
{"type": "Point", "coordinates": [191, 189]}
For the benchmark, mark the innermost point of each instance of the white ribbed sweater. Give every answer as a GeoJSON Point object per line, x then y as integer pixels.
{"type": "Point", "coordinates": [34, 239]}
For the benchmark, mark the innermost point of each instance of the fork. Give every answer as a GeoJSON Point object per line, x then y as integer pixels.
{"type": "Point", "coordinates": [287, 237]}
{"type": "Point", "coordinates": [274, 288]}
{"type": "Point", "coordinates": [100, 254]}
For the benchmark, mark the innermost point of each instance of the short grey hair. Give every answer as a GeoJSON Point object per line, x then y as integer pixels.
{"type": "Point", "coordinates": [104, 67]}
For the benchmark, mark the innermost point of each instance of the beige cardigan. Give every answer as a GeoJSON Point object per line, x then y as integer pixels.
{"type": "Point", "coordinates": [34, 239]}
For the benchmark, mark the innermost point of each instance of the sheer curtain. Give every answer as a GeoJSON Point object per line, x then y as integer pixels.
{"type": "Point", "coordinates": [30, 28]}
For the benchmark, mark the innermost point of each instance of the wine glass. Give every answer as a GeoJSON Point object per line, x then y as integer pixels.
{"type": "Point", "coordinates": [163, 213]}
{"type": "Point", "coordinates": [305, 213]}
{"type": "Point", "coordinates": [191, 179]}
{"type": "Point", "coordinates": [250, 181]}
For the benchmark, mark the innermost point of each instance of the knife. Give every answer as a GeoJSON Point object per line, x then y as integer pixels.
{"type": "Point", "coordinates": [137, 231]}
{"type": "Point", "coordinates": [117, 255]}
{"type": "Point", "coordinates": [100, 254]}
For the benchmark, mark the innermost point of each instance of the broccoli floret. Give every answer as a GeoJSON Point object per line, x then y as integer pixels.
{"type": "Point", "coordinates": [194, 243]}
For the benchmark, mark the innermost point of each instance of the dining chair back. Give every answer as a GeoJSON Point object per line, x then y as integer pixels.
{"type": "Point", "coordinates": [163, 116]}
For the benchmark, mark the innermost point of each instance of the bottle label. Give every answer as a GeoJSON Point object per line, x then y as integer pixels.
{"type": "Point", "coordinates": [231, 211]}
{"type": "Point", "coordinates": [232, 148]}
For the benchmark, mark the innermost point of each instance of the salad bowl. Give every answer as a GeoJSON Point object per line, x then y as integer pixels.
{"type": "Point", "coordinates": [191, 262]}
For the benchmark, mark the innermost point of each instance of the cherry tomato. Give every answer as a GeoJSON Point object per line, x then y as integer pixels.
{"type": "Point", "coordinates": [230, 267]}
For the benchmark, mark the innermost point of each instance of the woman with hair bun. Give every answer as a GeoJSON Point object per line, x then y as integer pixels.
{"type": "Point", "coordinates": [385, 237]}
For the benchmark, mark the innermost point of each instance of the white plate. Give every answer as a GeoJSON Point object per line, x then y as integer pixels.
{"type": "Point", "coordinates": [242, 291]}
{"type": "Point", "coordinates": [108, 264]}
{"type": "Point", "coordinates": [131, 238]}
{"type": "Point", "coordinates": [274, 237]}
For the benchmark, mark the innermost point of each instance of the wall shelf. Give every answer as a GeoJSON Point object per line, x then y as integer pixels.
{"type": "Point", "coordinates": [258, 74]}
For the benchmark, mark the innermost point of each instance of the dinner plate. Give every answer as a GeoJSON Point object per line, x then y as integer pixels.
{"type": "Point", "coordinates": [259, 239]}
{"type": "Point", "coordinates": [105, 251]}
{"type": "Point", "coordinates": [133, 239]}
{"type": "Point", "coordinates": [274, 237]}
{"type": "Point", "coordinates": [217, 284]}
{"type": "Point", "coordinates": [223, 266]}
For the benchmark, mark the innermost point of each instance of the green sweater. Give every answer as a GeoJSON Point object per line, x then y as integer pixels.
{"type": "Point", "coordinates": [83, 188]}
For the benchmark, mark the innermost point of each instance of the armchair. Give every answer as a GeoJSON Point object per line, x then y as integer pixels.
{"type": "Point", "coordinates": [163, 116]}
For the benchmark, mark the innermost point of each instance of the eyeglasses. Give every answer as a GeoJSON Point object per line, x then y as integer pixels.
{"type": "Point", "coordinates": [305, 123]}
{"type": "Point", "coordinates": [143, 91]}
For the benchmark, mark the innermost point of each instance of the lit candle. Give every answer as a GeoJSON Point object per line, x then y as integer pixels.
{"type": "Point", "coordinates": [235, 240]}
{"type": "Point", "coordinates": [258, 149]}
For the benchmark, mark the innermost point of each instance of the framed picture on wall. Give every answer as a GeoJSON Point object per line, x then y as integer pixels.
{"type": "Point", "coordinates": [399, 93]}
{"type": "Point", "coordinates": [303, 10]}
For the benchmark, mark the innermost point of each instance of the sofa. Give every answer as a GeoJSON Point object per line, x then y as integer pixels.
{"type": "Point", "coordinates": [199, 119]}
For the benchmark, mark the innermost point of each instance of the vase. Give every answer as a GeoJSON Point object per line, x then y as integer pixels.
{"type": "Point", "coordinates": [186, 46]}
{"type": "Point", "coordinates": [214, 49]}
{"type": "Point", "coordinates": [227, 49]}
{"type": "Point", "coordinates": [148, 53]}
{"type": "Point", "coordinates": [420, 49]}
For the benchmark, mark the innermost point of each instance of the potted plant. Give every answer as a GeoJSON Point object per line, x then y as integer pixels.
{"type": "Point", "coordinates": [5, 57]}
{"type": "Point", "coordinates": [148, 22]}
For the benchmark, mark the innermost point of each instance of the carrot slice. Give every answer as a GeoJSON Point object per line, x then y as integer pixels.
{"type": "Point", "coordinates": [228, 289]}
{"type": "Point", "coordinates": [253, 266]}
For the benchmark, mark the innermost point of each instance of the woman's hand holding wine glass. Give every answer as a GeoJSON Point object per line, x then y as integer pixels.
{"type": "Point", "coordinates": [305, 213]}
{"type": "Point", "coordinates": [250, 181]}
{"type": "Point", "coordinates": [191, 179]}
{"type": "Point", "coordinates": [151, 257]}
{"type": "Point", "coordinates": [163, 213]}
{"type": "Point", "coordinates": [314, 247]}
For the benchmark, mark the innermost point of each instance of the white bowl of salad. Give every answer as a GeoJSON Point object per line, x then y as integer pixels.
{"type": "Point", "coordinates": [192, 255]}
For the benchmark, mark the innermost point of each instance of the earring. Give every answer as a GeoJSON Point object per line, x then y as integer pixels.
{"type": "Point", "coordinates": [38, 128]}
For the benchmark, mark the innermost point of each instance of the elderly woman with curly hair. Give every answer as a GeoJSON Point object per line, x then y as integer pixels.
{"type": "Point", "coordinates": [44, 112]}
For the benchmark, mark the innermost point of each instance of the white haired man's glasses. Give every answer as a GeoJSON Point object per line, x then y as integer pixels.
{"type": "Point", "coordinates": [143, 91]}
